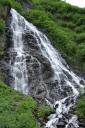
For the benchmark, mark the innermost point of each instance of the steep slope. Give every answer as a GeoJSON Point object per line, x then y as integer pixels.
{"type": "Point", "coordinates": [64, 25]}
{"type": "Point", "coordinates": [53, 18]}
{"type": "Point", "coordinates": [37, 69]}
{"type": "Point", "coordinates": [18, 111]}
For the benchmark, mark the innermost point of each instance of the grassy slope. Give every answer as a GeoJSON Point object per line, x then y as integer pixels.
{"type": "Point", "coordinates": [16, 109]}
{"type": "Point", "coordinates": [19, 111]}
{"type": "Point", "coordinates": [64, 25]}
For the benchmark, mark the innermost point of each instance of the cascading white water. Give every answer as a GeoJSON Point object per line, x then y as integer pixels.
{"type": "Point", "coordinates": [19, 71]}
{"type": "Point", "coordinates": [18, 68]}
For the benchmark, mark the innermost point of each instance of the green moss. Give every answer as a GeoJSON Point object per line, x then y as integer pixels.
{"type": "Point", "coordinates": [80, 107]}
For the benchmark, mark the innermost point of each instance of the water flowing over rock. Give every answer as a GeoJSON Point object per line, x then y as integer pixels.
{"type": "Point", "coordinates": [37, 69]}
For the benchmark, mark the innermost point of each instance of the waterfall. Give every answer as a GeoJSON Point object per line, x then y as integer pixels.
{"type": "Point", "coordinates": [32, 51]}
{"type": "Point", "coordinates": [18, 62]}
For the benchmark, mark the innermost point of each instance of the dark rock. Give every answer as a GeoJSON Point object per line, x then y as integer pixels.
{"type": "Point", "coordinates": [82, 82]}
{"type": "Point", "coordinates": [61, 125]}
{"type": "Point", "coordinates": [82, 123]}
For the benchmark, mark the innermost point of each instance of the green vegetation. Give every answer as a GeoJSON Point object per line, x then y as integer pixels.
{"type": "Point", "coordinates": [65, 27]}
{"type": "Point", "coordinates": [43, 20]}
{"type": "Point", "coordinates": [80, 107]}
{"type": "Point", "coordinates": [18, 111]}
{"type": "Point", "coordinates": [44, 111]}
{"type": "Point", "coordinates": [2, 26]}
{"type": "Point", "coordinates": [61, 22]}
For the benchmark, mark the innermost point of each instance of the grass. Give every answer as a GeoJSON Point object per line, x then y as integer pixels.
{"type": "Point", "coordinates": [80, 107]}
{"type": "Point", "coordinates": [17, 110]}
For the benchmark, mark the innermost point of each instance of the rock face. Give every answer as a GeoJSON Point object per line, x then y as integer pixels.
{"type": "Point", "coordinates": [38, 67]}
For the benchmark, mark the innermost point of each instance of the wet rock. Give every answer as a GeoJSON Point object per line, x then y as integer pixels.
{"type": "Point", "coordinates": [82, 82]}
{"type": "Point", "coordinates": [61, 125]}
{"type": "Point", "coordinates": [82, 123]}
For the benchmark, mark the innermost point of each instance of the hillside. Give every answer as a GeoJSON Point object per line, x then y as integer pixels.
{"type": "Point", "coordinates": [18, 111]}
{"type": "Point", "coordinates": [64, 25]}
